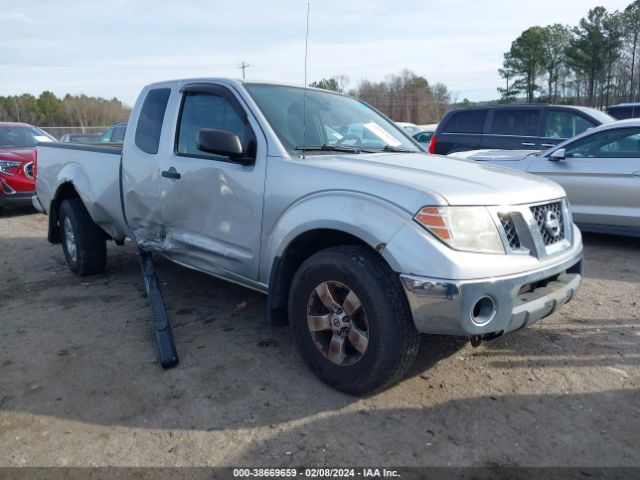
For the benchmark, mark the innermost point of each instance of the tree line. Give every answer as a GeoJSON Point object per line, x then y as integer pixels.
{"type": "Point", "coordinates": [594, 63]}
{"type": "Point", "coordinates": [47, 110]}
{"type": "Point", "coordinates": [404, 96]}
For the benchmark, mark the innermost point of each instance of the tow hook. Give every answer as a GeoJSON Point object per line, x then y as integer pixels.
{"type": "Point", "coordinates": [476, 340]}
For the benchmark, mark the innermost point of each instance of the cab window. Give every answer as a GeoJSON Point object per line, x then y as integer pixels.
{"type": "Point", "coordinates": [207, 110]}
{"type": "Point", "coordinates": [151, 118]}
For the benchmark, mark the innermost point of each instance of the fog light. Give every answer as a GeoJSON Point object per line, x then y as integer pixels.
{"type": "Point", "coordinates": [483, 310]}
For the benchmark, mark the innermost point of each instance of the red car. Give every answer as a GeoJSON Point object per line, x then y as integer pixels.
{"type": "Point", "coordinates": [17, 162]}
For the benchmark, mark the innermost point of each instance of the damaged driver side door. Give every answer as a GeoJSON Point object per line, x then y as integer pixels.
{"type": "Point", "coordinates": [211, 203]}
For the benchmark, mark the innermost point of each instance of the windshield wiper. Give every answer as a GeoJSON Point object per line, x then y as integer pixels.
{"type": "Point", "coordinates": [391, 148]}
{"type": "Point", "coordinates": [328, 148]}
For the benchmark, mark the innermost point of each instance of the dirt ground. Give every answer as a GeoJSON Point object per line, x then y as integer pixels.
{"type": "Point", "coordinates": [80, 385]}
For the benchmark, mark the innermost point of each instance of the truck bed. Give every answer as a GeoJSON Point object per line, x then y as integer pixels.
{"type": "Point", "coordinates": [93, 171]}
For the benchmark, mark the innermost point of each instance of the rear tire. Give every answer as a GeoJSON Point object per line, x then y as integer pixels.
{"type": "Point", "coordinates": [360, 337]}
{"type": "Point", "coordinates": [83, 242]}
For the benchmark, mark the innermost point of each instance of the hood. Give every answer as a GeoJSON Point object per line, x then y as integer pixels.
{"type": "Point", "coordinates": [18, 154]}
{"type": "Point", "coordinates": [458, 182]}
{"type": "Point", "coordinates": [488, 155]}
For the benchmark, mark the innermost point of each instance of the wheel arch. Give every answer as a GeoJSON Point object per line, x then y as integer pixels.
{"type": "Point", "coordinates": [319, 221]}
{"type": "Point", "coordinates": [64, 192]}
{"type": "Point", "coordinates": [294, 254]}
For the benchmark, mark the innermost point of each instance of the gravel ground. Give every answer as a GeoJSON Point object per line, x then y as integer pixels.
{"type": "Point", "coordinates": [80, 384]}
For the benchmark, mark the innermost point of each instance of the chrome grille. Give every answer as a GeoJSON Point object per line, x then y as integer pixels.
{"type": "Point", "coordinates": [510, 231]}
{"type": "Point", "coordinates": [543, 214]}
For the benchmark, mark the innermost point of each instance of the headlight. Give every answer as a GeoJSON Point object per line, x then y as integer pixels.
{"type": "Point", "coordinates": [470, 229]}
{"type": "Point", "coordinates": [4, 164]}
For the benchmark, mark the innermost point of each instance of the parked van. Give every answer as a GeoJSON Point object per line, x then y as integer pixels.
{"type": "Point", "coordinates": [512, 127]}
{"type": "Point", "coordinates": [623, 111]}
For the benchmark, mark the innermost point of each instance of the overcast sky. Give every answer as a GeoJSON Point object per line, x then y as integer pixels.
{"type": "Point", "coordinates": [113, 48]}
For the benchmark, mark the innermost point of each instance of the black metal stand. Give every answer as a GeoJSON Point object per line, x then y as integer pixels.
{"type": "Point", "coordinates": [164, 338]}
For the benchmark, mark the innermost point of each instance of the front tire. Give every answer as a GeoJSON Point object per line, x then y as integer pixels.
{"type": "Point", "coordinates": [83, 242]}
{"type": "Point", "coordinates": [351, 320]}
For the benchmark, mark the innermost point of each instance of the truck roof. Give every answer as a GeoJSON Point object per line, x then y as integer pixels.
{"type": "Point", "coordinates": [230, 81]}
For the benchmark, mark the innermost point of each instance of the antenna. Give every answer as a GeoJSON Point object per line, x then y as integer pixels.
{"type": "Point", "coordinates": [304, 101]}
{"type": "Point", "coordinates": [243, 66]}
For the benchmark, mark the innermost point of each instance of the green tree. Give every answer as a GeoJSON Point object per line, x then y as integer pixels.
{"type": "Point", "coordinates": [631, 25]}
{"type": "Point", "coordinates": [513, 87]}
{"type": "Point", "coordinates": [528, 57]}
{"type": "Point", "coordinates": [327, 84]}
{"type": "Point", "coordinates": [556, 39]}
{"type": "Point", "coordinates": [28, 109]}
{"type": "Point", "coordinates": [587, 49]}
{"type": "Point", "coordinates": [52, 110]}
{"type": "Point", "coordinates": [613, 29]}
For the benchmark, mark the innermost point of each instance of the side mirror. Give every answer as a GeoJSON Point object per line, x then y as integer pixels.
{"type": "Point", "coordinates": [221, 142]}
{"type": "Point", "coordinates": [557, 155]}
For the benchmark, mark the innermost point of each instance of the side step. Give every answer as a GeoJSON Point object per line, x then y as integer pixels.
{"type": "Point", "coordinates": [164, 338]}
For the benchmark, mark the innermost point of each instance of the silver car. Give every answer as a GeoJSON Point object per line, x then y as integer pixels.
{"type": "Point", "coordinates": [599, 170]}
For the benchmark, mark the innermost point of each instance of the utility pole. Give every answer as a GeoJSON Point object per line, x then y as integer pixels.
{"type": "Point", "coordinates": [243, 67]}
{"type": "Point", "coordinates": [17, 109]}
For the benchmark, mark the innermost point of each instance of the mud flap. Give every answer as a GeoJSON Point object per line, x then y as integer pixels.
{"type": "Point", "coordinates": [164, 337]}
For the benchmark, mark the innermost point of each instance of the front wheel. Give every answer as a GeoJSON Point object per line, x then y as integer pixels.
{"type": "Point", "coordinates": [351, 321]}
{"type": "Point", "coordinates": [83, 242]}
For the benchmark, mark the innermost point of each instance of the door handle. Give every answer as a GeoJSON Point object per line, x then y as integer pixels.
{"type": "Point", "coordinates": [171, 173]}
{"type": "Point", "coordinates": [547, 144]}
{"type": "Point", "coordinates": [528, 144]}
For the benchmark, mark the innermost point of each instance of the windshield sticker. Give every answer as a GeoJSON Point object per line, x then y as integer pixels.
{"type": "Point", "coordinates": [41, 138]}
{"type": "Point", "coordinates": [382, 134]}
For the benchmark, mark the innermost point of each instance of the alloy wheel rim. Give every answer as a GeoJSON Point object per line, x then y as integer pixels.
{"type": "Point", "coordinates": [338, 323]}
{"type": "Point", "coordinates": [70, 240]}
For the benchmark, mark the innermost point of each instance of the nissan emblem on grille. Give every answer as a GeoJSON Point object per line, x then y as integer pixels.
{"type": "Point", "coordinates": [551, 223]}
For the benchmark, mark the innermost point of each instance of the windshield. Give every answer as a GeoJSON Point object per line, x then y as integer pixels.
{"type": "Point", "coordinates": [333, 121]}
{"type": "Point", "coordinates": [598, 115]}
{"type": "Point", "coordinates": [21, 137]}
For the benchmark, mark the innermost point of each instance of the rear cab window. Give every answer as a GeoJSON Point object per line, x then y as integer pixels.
{"type": "Point", "coordinates": [150, 121]}
{"type": "Point", "coordinates": [466, 121]}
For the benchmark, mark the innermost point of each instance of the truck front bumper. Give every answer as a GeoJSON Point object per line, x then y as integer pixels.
{"type": "Point", "coordinates": [492, 305]}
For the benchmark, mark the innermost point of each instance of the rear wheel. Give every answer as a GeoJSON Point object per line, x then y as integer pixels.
{"type": "Point", "coordinates": [83, 242]}
{"type": "Point", "coordinates": [351, 321]}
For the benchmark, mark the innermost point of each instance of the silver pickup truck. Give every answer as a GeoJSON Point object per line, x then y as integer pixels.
{"type": "Point", "coordinates": [361, 240]}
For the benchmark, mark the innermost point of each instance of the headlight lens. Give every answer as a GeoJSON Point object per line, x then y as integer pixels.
{"type": "Point", "coordinates": [470, 229]}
